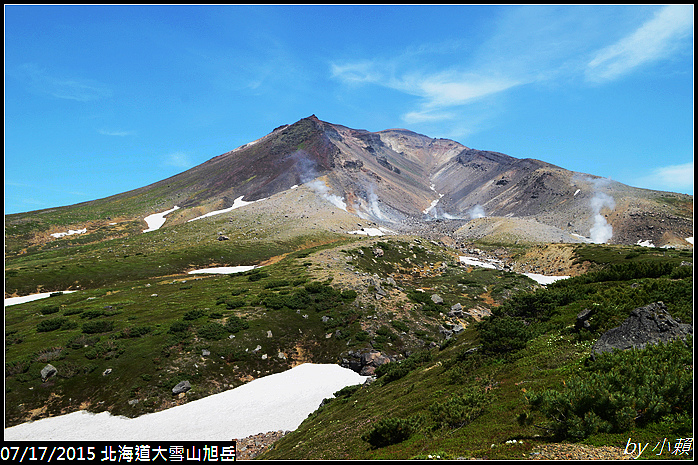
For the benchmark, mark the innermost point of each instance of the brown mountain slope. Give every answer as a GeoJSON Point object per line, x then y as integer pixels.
{"type": "Point", "coordinates": [406, 181]}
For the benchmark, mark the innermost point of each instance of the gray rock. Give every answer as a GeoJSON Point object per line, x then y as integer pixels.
{"type": "Point", "coordinates": [181, 387]}
{"type": "Point", "coordinates": [645, 325]}
{"type": "Point", "coordinates": [458, 329]}
{"type": "Point", "coordinates": [583, 319]}
{"type": "Point", "coordinates": [48, 371]}
{"type": "Point", "coordinates": [436, 298]}
{"type": "Point", "coordinates": [205, 352]}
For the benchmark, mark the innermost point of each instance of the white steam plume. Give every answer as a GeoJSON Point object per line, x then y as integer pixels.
{"type": "Point", "coordinates": [373, 206]}
{"type": "Point", "coordinates": [477, 212]}
{"type": "Point", "coordinates": [321, 188]}
{"type": "Point", "coordinates": [601, 232]}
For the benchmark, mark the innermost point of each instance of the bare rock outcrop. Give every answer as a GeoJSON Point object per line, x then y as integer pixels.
{"type": "Point", "coordinates": [645, 325]}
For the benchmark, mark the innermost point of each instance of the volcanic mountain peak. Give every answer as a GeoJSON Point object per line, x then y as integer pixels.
{"type": "Point", "coordinates": [407, 180]}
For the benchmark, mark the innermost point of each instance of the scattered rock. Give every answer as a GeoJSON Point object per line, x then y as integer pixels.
{"type": "Point", "coordinates": [106, 372]}
{"type": "Point", "coordinates": [223, 238]}
{"type": "Point", "coordinates": [48, 371]}
{"type": "Point", "coordinates": [366, 363]}
{"type": "Point", "coordinates": [583, 319]}
{"type": "Point", "coordinates": [251, 446]}
{"type": "Point", "coordinates": [436, 298]}
{"type": "Point", "coordinates": [269, 334]}
{"type": "Point", "coordinates": [205, 353]}
{"type": "Point", "coordinates": [645, 325]}
{"type": "Point", "coordinates": [181, 387]}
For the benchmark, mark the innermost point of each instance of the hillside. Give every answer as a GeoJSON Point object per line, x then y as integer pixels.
{"type": "Point", "coordinates": [401, 180]}
{"type": "Point", "coordinates": [356, 239]}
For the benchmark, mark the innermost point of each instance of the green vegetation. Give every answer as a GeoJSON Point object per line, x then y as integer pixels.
{"type": "Point", "coordinates": [620, 390]}
{"type": "Point", "coordinates": [522, 377]}
{"type": "Point", "coordinates": [139, 314]}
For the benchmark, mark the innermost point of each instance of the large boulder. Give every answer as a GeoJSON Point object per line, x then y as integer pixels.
{"type": "Point", "coordinates": [48, 371]}
{"type": "Point", "coordinates": [364, 363]}
{"type": "Point", "coordinates": [645, 325]}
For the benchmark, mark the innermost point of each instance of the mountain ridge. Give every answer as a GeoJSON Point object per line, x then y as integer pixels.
{"type": "Point", "coordinates": [400, 177]}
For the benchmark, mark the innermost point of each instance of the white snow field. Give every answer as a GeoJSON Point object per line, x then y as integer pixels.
{"type": "Point", "coordinates": [224, 269]}
{"type": "Point", "coordinates": [276, 402]}
{"type": "Point", "coordinates": [28, 298]}
{"type": "Point", "coordinates": [156, 220]}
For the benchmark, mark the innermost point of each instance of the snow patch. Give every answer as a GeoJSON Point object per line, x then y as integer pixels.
{"type": "Point", "coordinates": [224, 269]}
{"type": "Point", "coordinates": [276, 402]}
{"type": "Point", "coordinates": [372, 231]}
{"type": "Point", "coordinates": [237, 203]}
{"type": "Point", "coordinates": [647, 243]}
{"type": "Point", "coordinates": [492, 264]}
{"type": "Point", "coordinates": [689, 240]}
{"type": "Point", "coordinates": [496, 264]}
{"type": "Point", "coordinates": [70, 232]}
{"type": "Point", "coordinates": [30, 298]}
{"type": "Point", "coordinates": [543, 279]}
{"type": "Point", "coordinates": [156, 220]}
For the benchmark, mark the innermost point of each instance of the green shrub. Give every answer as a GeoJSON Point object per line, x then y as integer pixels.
{"type": "Point", "coordinates": [213, 331]}
{"type": "Point", "coordinates": [459, 410]}
{"type": "Point", "coordinates": [49, 309]}
{"type": "Point", "coordinates": [400, 326]}
{"type": "Point", "coordinates": [99, 326]}
{"type": "Point", "coordinates": [91, 314]}
{"type": "Point", "coordinates": [235, 324]}
{"type": "Point", "coordinates": [391, 431]}
{"type": "Point", "coordinates": [194, 314]}
{"type": "Point", "coordinates": [51, 324]}
{"type": "Point", "coordinates": [256, 275]}
{"type": "Point", "coordinates": [234, 303]}
{"type": "Point", "coordinates": [276, 283]}
{"type": "Point", "coordinates": [395, 370]}
{"type": "Point", "coordinates": [619, 391]}
{"type": "Point", "coordinates": [347, 391]}
{"type": "Point", "coordinates": [501, 334]}
{"type": "Point", "coordinates": [178, 327]}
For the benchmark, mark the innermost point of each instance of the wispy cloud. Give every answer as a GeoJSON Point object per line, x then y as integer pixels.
{"type": "Point", "coordinates": [68, 88]}
{"type": "Point", "coordinates": [540, 45]}
{"type": "Point", "coordinates": [656, 39]}
{"type": "Point", "coordinates": [178, 160]}
{"type": "Point", "coordinates": [674, 178]}
{"type": "Point", "coordinates": [437, 91]}
{"type": "Point", "coordinates": [106, 132]}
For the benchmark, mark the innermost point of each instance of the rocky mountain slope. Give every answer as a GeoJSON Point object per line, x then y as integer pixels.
{"type": "Point", "coordinates": [405, 181]}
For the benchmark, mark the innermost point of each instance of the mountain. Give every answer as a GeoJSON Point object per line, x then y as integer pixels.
{"type": "Point", "coordinates": [405, 181]}
{"type": "Point", "coordinates": [136, 323]}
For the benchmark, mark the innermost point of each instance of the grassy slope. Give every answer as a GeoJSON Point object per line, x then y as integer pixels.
{"type": "Point", "coordinates": [556, 354]}
{"type": "Point", "coordinates": [121, 277]}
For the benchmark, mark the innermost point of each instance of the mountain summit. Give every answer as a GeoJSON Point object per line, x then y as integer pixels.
{"type": "Point", "coordinates": [411, 182]}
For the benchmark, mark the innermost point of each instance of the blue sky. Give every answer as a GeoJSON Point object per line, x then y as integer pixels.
{"type": "Point", "coordinates": [103, 99]}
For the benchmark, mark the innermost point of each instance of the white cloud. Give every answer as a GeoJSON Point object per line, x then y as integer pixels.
{"type": "Point", "coordinates": [656, 39]}
{"type": "Point", "coordinates": [178, 160]}
{"type": "Point", "coordinates": [67, 88]}
{"type": "Point", "coordinates": [106, 132]}
{"type": "Point", "coordinates": [674, 178]}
